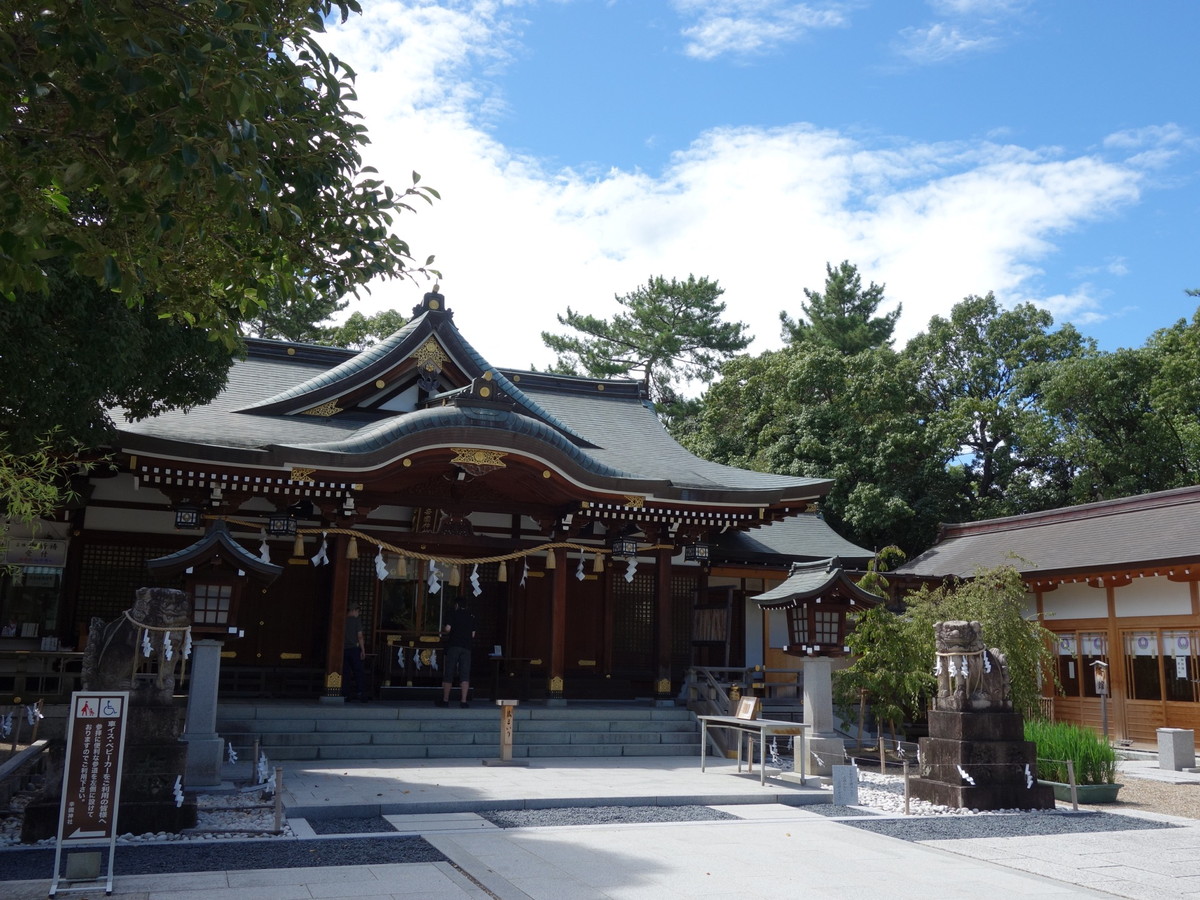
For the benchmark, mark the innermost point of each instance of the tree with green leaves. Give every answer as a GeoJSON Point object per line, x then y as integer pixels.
{"type": "Point", "coordinates": [201, 158]}
{"type": "Point", "coordinates": [193, 163]}
{"type": "Point", "coordinates": [982, 370]}
{"type": "Point", "coordinates": [1115, 437]}
{"type": "Point", "coordinates": [359, 332]}
{"type": "Point", "coordinates": [843, 317]}
{"type": "Point", "coordinates": [669, 332]}
{"type": "Point", "coordinates": [814, 411]}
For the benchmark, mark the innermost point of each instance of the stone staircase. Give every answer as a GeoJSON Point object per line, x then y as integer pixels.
{"type": "Point", "coordinates": [325, 731]}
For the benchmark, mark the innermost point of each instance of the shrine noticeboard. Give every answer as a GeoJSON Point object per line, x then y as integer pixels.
{"type": "Point", "coordinates": [92, 778]}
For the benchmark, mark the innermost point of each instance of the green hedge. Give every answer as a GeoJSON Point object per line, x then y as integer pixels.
{"type": "Point", "coordinates": [1094, 758]}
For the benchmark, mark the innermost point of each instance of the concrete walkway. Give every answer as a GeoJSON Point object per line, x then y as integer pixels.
{"type": "Point", "coordinates": [775, 848]}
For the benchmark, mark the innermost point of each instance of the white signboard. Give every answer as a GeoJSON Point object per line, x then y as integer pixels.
{"type": "Point", "coordinates": [34, 552]}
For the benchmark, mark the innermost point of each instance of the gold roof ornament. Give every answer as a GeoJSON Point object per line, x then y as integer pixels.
{"type": "Point", "coordinates": [478, 461]}
{"type": "Point", "coordinates": [325, 410]}
{"type": "Point", "coordinates": [430, 356]}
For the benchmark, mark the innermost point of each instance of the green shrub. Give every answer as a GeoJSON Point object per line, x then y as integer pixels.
{"type": "Point", "coordinates": [1094, 758]}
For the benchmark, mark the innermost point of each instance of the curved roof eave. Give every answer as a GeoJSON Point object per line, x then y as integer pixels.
{"type": "Point", "coordinates": [812, 580]}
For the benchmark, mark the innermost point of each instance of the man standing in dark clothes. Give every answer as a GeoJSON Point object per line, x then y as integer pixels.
{"type": "Point", "coordinates": [354, 649]}
{"type": "Point", "coordinates": [459, 631]}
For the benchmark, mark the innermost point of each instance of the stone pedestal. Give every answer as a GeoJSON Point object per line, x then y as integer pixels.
{"type": "Point", "coordinates": [1176, 749]}
{"type": "Point", "coordinates": [204, 748]}
{"type": "Point", "coordinates": [825, 748]}
{"type": "Point", "coordinates": [990, 747]}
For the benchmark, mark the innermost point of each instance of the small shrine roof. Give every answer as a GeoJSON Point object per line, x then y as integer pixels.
{"type": "Point", "coordinates": [815, 581]}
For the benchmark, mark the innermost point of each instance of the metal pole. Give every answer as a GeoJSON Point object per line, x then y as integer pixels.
{"type": "Point", "coordinates": [906, 793]}
{"type": "Point", "coordinates": [278, 799]}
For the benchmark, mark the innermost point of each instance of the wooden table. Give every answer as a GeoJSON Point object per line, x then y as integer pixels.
{"type": "Point", "coordinates": [749, 728]}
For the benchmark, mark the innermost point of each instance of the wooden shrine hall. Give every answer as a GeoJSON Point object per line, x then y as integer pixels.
{"type": "Point", "coordinates": [397, 479]}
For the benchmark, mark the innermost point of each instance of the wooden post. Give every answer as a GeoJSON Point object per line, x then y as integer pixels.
{"type": "Point", "coordinates": [1071, 780]}
{"type": "Point", "coordinates": [337, 619]}
{"type": "Point", "coordinates": [906, 792]}
{"type": "Point", "coordinates": [882, 757]}
{"type": "Point", "coordinates": [663, 623]}
{"type": "Point", "coordinates": [278, 799]}
{"type": "Point", "coordinates": [558, 624]}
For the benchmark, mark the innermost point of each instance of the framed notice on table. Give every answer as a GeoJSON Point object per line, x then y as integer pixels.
{"type": "Point", "coordinates": [748, 708]}
{"type": "Point", "coordinates": [91, 787]}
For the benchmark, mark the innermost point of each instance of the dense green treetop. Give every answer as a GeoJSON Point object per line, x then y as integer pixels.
{"type": "Point", "coordinates": [843, 317]}
{"type": "Point", "coordinates": [200, 155]}
{"type": "Point", "coordinates": [982, 368]}
{"type": "Point", "coordinates": [669, 332]}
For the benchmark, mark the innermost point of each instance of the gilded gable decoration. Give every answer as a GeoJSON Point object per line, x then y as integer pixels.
{"type": "Point", "coordinates": [430, 356]}
{"type": "Point", "coordinates": [301, 474]}
{"type": "Point", "coordinates": [324, 410]}
{"type": "Point", "coordinates": [477, 461]}
{"type": "Point", "coordinates": [635, 502]}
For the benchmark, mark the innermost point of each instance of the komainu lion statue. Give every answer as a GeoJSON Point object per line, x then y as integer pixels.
{"type": "Point", "coordinates": [115, 658]}
{"type": "Point", "coordinates": [970, 677]}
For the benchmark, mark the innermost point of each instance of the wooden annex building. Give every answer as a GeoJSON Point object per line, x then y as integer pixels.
{"type": "Point", "coordinates": [595, 552]}
{"type": "Point", "coordinates": [1118, 582]}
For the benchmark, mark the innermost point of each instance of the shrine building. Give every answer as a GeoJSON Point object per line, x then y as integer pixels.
{"type": "Point", "coordinates": [599, 557]}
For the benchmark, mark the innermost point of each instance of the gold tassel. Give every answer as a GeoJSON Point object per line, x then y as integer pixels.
{"type": "Point", "coordinates": [502, 572]}
{"type": "Point", "coordinates": [551, 562]}
{"type": "Point", "coordinates": [352, 548]}
{"type": "Point", "coordinates": [455, 576]}
{"type": "Point", "coordinates": [402, 566]}
{"type": "Point", "coordinates": [298, 547]}
{"type": "Point", "coordinates": [598, 564]}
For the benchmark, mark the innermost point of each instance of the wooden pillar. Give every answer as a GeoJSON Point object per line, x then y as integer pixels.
{"type": "Point", "coordinates": [558, 625]}
{"type": "Point", "coordinates": [663, 623]}
{"type": "Point", "coordinates": [337, 620]}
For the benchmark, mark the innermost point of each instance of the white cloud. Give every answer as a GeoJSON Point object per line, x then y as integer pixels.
{"type": "Point", "coordinates": [746, 27]}
{"type": "Point", "coordinates": [939, 42]}
{"type": "Point", "coordinates": [761, 211]}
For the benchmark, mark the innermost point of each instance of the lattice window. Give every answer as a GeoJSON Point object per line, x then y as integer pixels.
{"type": "Point", "coordinates": [109, 577]}
{"type": "Point", "coordinates": [684, 588]}
{"type": "Point", "coordinates": [633, 623]}
{"type": "Point", "coordinates": [211, 603]}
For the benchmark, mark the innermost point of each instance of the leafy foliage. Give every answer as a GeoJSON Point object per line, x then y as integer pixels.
{"type": "Point", "coordinates": [843, 317]}
{"type": "Point", "coordinates": [890, 671]}
{"type": "Point", "coordinates": [996, 598]}
{"type": "Point", "coordinates": [982, 369]}
{"type": "Point", "coordinates": [814, 411]}
{"type": "Point", "coordinates": [201, 155]}
{"type": "Point", "coordinates": [670, 331]}
{"type": "Point", "coordinates": [69, 358]}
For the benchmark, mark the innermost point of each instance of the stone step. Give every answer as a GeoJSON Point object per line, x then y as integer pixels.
{"type": "Point", "coordinates": [354, 731]}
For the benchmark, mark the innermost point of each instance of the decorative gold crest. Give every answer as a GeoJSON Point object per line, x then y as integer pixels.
{"type": "Point", "coordinates": [325, 410]}
{"type": "Point", "coordinates": [301, 474]}
{"type": "Point", "coordinates": [475, 456]}
{"type": "Point", "coordinates": [333, 681]}
{"type": "Point", "coordinates": [635, 502]}
{"type": "Point", "coordinates": [430, 356]}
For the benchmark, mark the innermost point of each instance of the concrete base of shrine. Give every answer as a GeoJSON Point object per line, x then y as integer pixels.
{"type": "Point", "coordinates": [979, 760]}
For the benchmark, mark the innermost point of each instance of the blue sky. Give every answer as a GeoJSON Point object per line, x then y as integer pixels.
{"type": "Point", "coordinates": [1046, 151]}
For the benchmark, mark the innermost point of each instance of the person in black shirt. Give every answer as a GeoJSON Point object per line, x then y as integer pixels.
{"type": "Point", "coordinates": [458, 633]}
{"type": "Point", "coordinates": [354, 650]}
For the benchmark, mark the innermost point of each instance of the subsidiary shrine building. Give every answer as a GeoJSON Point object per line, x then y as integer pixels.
{"type": "Point", "coordinates": [581, 535]}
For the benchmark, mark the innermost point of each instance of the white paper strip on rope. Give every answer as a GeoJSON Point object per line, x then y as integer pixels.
{"type": "Point", "coordinates": [475, 588]}
{"type": "Point", "coordinates": [381, 570]}
{"type": "Point", "coordinates": [322, 557]}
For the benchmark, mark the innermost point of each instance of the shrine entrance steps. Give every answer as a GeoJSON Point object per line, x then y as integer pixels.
{"type": "Point", "coordinates": [311, 730]}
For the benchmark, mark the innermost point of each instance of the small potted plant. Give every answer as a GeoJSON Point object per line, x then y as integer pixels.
{"type": "Point", "coordinates": [1094, 760]}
